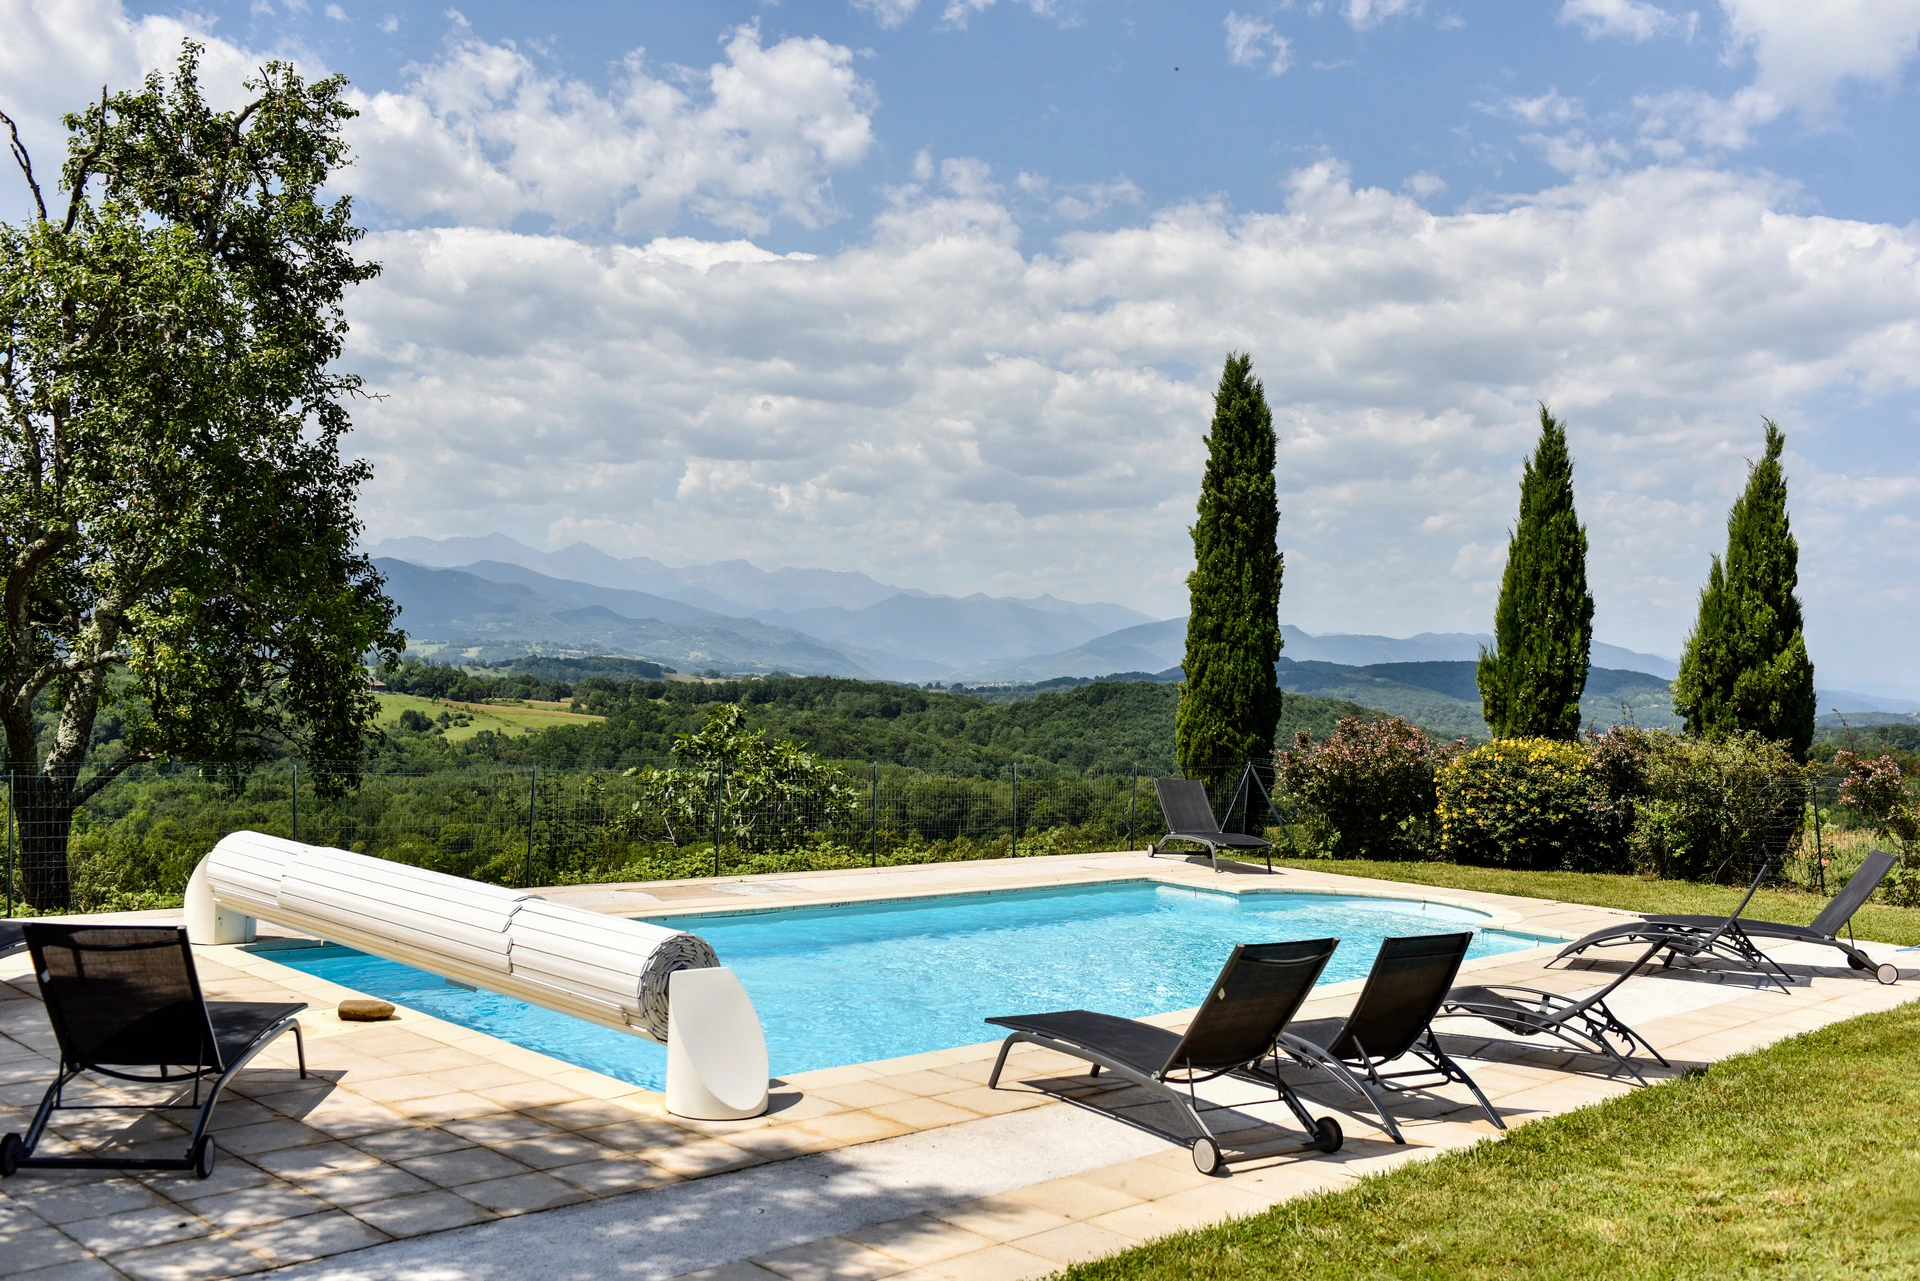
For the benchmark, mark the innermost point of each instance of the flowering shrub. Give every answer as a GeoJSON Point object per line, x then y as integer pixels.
{"type": "Point", "coordinates": [1525, 802]}
{"type": "Point", "coordinates": [1366, 791]}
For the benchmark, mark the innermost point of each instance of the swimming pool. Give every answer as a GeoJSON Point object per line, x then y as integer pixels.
{"type": "Point", "coordinates": [857, 982]}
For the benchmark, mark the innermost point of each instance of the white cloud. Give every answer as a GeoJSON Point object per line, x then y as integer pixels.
{"type": "Point", "coordinates": [889, 14]}
{"type": "Point", "coordinates": [1424, 184]}
{"type": "Point", "coordinates": [1077, 202]}
{"type": "Point", "coordinates": [389, 24]}
{"type": "Point", "coordinates": [1251, 42]}
{"type": "Point", "coordinates": [484, 136]}
{"type": "Point", "coordinates": [1630, 19]}
{"type": "Point", "coordinates": [934, 404]}
{"type": "Point", "coordinates": [1803, 55]}
{"type": "Point", "coordinates": [1550, 108]}
{"type": "Point", "coordinates": [1364, 14]}
{"type": "Point", "coordinates": [958, 12]}
{"type": "Point", "coordinates": [336, 13]}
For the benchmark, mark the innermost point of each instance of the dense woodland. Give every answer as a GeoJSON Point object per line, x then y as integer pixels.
{"type": "Point", "coordinates": [1107, 727]}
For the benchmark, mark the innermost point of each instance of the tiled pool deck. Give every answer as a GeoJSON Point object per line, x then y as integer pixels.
{"type": "Point", "coordinates": [420, 1148]}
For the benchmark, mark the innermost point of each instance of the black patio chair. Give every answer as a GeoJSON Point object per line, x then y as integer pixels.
{"type": "Point", "coordinates": [124, 997]}
{"type": "Point", "coordinates": [13, 938]}
{"type": "Point", "coordinates": [1392, 1019]}
{"type": "Point", "coordinates": [1733, 936]}
{"type": "Point", "coordinates": [1189, 816]}
{"type": "Point", "coordinates": [1584, 1023]}
{"type": "Point", "coordinates": [1259, 990]}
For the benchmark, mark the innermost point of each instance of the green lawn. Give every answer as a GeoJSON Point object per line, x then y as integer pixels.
{"type": "Point", "coordinates": [1629, 893]}
{"type": "Point", "coordinates": [1802, 1160]}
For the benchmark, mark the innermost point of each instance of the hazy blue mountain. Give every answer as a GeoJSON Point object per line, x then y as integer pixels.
{"type": "Point", "coordinates": [1154, 646]}
{"type": "Point", "coordinates": [953, 632]}
{"type": "Point", "coordinates": [453, 613]}
{"type": "Point", "coordinates": [726, 587]}
{"type": "Point", "coordinates": [904, 633]}
{"type": "Point", "coordinates": [628, 604]}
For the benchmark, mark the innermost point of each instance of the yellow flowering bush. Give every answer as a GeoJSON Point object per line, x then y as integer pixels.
{"type": "Point", "coordinates": [1535, 803]}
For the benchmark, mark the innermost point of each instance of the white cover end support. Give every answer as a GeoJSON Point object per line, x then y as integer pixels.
{"type": "Point", "coordinates": [207, 921]}
{"type": "Point", "coordinates": [716, 1050]}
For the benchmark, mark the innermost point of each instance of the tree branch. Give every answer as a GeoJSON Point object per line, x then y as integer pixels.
{"type": "Point", "coordinates": [90, 786]}
{"type": "Point", "coordinates": [25, 162]}
{"type": "Point", "coordinates": [84, 171]}
{"type": "Point", "coordinates": [66, 667]}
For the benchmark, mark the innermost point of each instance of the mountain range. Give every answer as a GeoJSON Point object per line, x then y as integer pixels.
{"type": "Point", "coordinates": [491, 598]}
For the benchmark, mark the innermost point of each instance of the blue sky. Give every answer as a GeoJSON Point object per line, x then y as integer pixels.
{"type": "Point", "coordinates": [938, 290]}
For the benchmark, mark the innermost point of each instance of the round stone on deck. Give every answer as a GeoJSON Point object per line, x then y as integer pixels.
{"type": "Point", "coordinates": [365, 1010]}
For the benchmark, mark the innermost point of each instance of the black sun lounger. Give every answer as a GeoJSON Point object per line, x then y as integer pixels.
{"type": "Point", "coordinates": [1737, 933]}
{"type": "Point", "coordinates": [125, 997]}
{"type": "Point", "coordinates": [1259, 990]}
{"type": "Point", "coordinates": [1189, 815]}
{"type": "Point", "coordinates": [1392, 1018]}
{"type": "Point", "coordinates": [1584, 1023]}
{"type": "Point", "coordinates": [13, 938]}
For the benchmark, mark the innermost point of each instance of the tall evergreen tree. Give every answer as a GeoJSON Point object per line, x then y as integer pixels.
{"type": "Point", "coordinates": [1531, 681]}
{"type": "Point", "coordinates": [1230, 701]}
{"type": "Point", "coordinates": [1746, 664]}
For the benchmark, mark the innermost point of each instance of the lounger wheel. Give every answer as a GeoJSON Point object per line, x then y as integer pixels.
{"type": "Point", "coordinates": [1887, 972]}
{"type": "Point", "coordinates": [1328, 1131]}
{"type": "Point", "coordinates": [1206, 1156]}
{"type": "Point", "coordinates": [12, 1150]}
{"type": "Point", "coordinates": [203, 1157]}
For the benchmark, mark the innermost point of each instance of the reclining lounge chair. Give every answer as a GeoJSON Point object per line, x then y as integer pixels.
{"type": "Point", "coordinates": [1393, 1017]}
{"type": "Point", "coordinates": [1733, 936]}
{"type": "Point", "coordinates": [125, 997]}
{"type": "Point", "coordinates": [1585, 1023]}
{"type": "Point", "coordinates": [1248, 1007]}
{"type": "Point", "coordinates": [1189, 816]}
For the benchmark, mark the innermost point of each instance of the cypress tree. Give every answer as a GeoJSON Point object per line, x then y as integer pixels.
{"type": "Point", "coordinates": [1230, 700]}
{"type": "Point", "coordinates": [1746, 664]}
{"type": "Point", "coordinates": [1531, 681]}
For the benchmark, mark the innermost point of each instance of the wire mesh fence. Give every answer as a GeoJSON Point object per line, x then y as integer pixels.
{"type": "Point", "coordinates": [135, 843]}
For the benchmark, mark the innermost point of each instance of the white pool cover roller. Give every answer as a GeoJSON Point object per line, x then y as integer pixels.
{"type": "Point", "coordinates": [603, 968]}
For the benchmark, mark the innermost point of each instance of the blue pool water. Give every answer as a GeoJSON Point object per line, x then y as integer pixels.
{"type": "Point", "coordinates": [850, 984]}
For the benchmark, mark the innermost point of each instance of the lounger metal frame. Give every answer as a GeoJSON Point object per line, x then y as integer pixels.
{"type": "Point", "coordinates": [1324, 1132]}
{"type": "Point", "coordinates": [1448, 950]}
{"type": "Point", "coordinates": [1733, 938]}
{"type": "Point", "coordinates": [16, 1151]}
{"type": "Point", "coordinates": [1189, 817]}
{"type": "Point", "coordinates": [1585, 1023]}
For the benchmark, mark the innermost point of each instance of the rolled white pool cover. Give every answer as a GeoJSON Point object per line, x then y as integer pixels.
{"type": "Point", "coordinates": [604, 968]}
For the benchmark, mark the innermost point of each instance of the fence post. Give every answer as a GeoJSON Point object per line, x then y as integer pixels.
{"type": "Point", "coordinates": [873, 803]}
{"type": "Point", "coordinates": [296, 800]}
{"type": "Point", "coordinates": [533, 808]}
{"type": "Point", "coordinates": [1819, 855]}
{"type": "Point", "coordinates": [1133, 808]}
{"type": "Point", "coordinates": [719, 798]}
{"type": "Point", "coordinates": [1016, 809]}
{"type": "Point", "coordinates": [9, 844]}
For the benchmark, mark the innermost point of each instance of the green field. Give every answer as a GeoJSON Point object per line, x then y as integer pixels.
{"type": "Point", "coordinates": [1796, 1161]}
{"type": "Point", "coordinates": [511, 718]}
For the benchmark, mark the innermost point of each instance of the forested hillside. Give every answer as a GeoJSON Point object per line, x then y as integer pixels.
{"type": "Point", "coordinates": [1104, 727]}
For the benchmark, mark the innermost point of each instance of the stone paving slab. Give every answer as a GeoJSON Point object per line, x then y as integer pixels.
{"type": "Point", "coordinates": [412, 1136]}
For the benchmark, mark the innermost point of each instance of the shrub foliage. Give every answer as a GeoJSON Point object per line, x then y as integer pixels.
{"type": "Point", "coordinates": [1367, 791]}
{"type": "Point", "coordinates": [1534, 803]}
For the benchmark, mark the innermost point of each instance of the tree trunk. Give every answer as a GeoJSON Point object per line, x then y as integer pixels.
{"type": "Point", "coordinates": [43, 814]}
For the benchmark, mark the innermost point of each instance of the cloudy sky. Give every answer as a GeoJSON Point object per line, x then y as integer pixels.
{"type": "Point", "coordinates": [938, 289]}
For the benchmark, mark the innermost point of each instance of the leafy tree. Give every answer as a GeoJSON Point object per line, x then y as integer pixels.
{"type": "Point", "coordinates": [1746, 667]}
{"type": "Point", "coordinates": [1230, 701]}
{"type": "Point", "coordinates": [176, 521]}
{"type": "Point", "coordinates": [1368, 787]}
{"type": "Point", "coordinates": [772, 795]}
{"type": "Point", "coordinates": [1532, 679]}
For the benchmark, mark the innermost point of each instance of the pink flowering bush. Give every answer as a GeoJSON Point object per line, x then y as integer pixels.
{"type": "Point", "coordinates": [1366, 791]}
